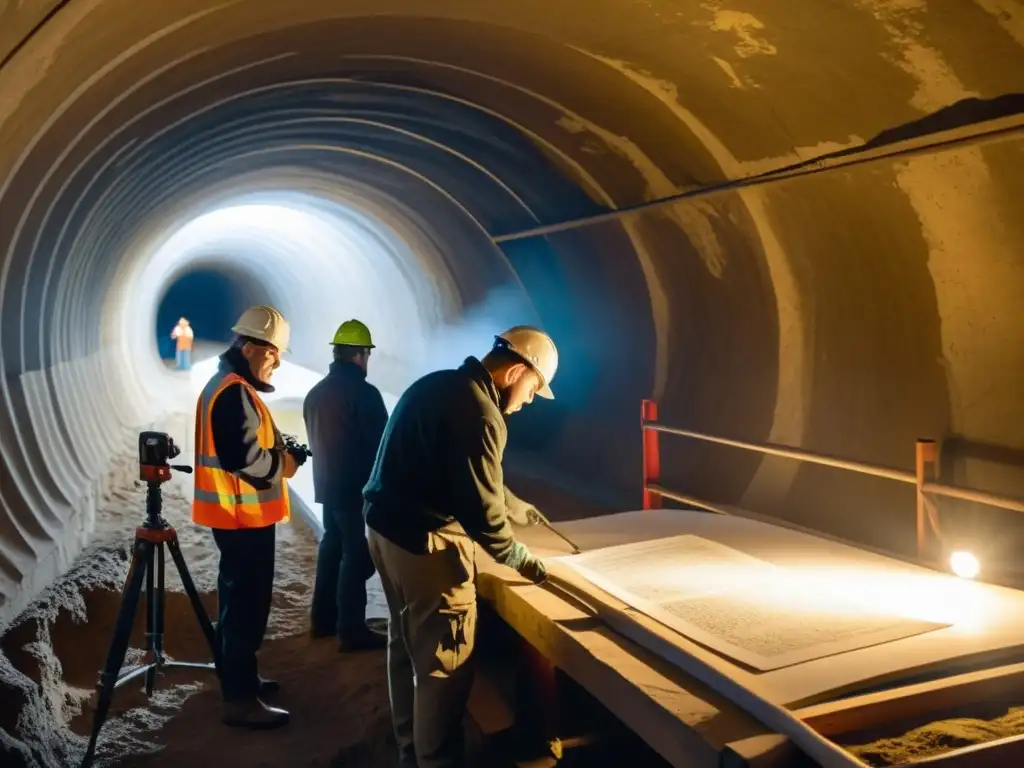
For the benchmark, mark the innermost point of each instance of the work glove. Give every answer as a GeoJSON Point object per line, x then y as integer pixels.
{"type": "Point", "coordinates": [534, 570]}
{"type": "Point", "coordinates": [526, 564]}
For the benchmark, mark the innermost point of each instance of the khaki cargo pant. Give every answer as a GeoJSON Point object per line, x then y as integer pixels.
{"type": "Point", "coordinates": [432, 605]}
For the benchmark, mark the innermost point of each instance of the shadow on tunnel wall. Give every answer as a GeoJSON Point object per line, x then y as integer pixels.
{"type": "Point", "coordinates": [957, 448]}
{"type": "Point", "coordinates": [675, 303]}
{"type": "Point", "coordinates": [872, 364]}
{"type": "Point", "coordinates": [913, 335]}
{"type": "Point", "coordinates": [962, 114]}
{"type": "Point", "coordinates": [593, 302]}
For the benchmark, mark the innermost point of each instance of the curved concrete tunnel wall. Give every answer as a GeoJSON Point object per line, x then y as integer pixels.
{"type": "Point", "coordinates": [847, 311]}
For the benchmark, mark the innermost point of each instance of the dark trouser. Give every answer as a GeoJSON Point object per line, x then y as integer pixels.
{"type": "Point", "coordinates": [245, 588]}
{"type": "Point", "coordinates": [343, 565]}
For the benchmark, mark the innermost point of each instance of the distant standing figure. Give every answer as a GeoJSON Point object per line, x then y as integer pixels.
{"type": "Point", "coordinates": [345, 417]}
{"type": "Point", "coordinates": [183, 336]}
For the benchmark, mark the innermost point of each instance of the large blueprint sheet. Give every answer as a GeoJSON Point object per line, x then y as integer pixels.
{"type": "Point", "coordinates": [739, 606]}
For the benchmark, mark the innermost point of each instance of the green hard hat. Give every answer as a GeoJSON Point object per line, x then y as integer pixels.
{"type": "Point", "coordinates": [353, 333]}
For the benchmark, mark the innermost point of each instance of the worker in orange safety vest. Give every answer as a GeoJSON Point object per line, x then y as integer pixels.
{"type": "Point", "coordinates": [241, 492]}
{"type": "Point", "coordinates": [183, 336]}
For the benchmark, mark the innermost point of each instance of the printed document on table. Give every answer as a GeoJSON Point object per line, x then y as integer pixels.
{"type": "Point", "coordinates": [740, 606]}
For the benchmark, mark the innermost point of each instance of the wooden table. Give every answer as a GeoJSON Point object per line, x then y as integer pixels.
{"type": "Point", "coordinates": [691, 725]}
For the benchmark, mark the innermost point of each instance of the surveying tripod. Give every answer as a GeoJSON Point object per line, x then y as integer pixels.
{"type": "Point", "coordinates": [148, 559]}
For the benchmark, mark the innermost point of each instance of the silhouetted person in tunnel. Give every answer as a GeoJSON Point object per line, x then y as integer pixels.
{"type": "Point", "coordinates": [241, 468]}
{"type": "Point", "coordinates": [183, 337]}
{"type": "Point", "coordinates": [436, 488]}
{"type": "Point", "coordinates": [345, 418]}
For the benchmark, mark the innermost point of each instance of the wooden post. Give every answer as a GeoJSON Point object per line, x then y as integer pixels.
{"type": "Point", "coordinates": [925, 469]}
{"type": "Point", "coordinates": [651, 455]}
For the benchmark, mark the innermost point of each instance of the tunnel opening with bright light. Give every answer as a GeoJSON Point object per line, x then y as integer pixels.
{"type": "Point", "coordinates": [210, 299]}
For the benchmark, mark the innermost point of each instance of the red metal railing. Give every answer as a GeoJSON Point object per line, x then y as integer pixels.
{"type": "Point", "coordinates": [924, 476]}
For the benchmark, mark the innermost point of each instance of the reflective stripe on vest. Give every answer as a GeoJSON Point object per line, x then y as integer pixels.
{"type": "Point", "coordinates": [222, 499]}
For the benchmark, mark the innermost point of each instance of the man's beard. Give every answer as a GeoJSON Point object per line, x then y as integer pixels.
{"type": "Point", "coordinates": [503, 400]}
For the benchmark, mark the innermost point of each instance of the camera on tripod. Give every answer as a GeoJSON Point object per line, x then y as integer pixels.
{"type": "Point", "coordinates": [299, 451]}
{"type": "Point", "coordinates": [155, 449]}
{"type": "Point", "coordinates": [155, 537]}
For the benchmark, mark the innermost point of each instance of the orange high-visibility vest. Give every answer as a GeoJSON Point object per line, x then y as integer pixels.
{"type": "Point", "coordinates": [222, 499]}
{"type": "Point", "coordinates": [183, 336]}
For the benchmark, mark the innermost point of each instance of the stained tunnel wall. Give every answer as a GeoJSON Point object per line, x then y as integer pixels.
{"type": "Point", "coordinates": [849, 311]}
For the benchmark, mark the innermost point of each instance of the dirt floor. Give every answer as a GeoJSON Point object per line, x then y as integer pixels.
{"type": "Point", "coordinates": [339, 714]}
{"type": "Point", "coordinates": [53, 652]}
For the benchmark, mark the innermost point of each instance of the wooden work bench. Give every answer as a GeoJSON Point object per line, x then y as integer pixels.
{"type": "Point", "coordinates": [913, 680]}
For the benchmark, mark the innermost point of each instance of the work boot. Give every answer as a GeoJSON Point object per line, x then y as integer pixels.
{"type": "Point", "coordinates": [253, 714]}
{"type": "Point", "coordinates": [268, 687]}
{"type": "Point", "coordinates": [362, 640]}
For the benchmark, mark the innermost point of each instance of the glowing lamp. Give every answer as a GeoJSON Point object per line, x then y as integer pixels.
{"type": "Point", "coordinates": [964, 564]}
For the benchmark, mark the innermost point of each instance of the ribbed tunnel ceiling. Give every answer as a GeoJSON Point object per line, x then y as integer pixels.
{"type": "Point", "coordinates": [848, 311]}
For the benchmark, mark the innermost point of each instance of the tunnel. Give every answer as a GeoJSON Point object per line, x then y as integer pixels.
{"type": "Point", "coordinates": [785, 223]}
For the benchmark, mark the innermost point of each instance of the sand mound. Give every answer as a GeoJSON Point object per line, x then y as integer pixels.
{"type": "Point", "coordinates": [938, 737]}
{"type": "Point", "coordinates": [45, 677]}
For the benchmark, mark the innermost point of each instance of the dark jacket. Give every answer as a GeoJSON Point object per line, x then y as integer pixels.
{"type": "Point", "coordinates": [234, 422]}
{"type": "Point", "coordinates": [345, 417]}
{"type": "Point", "coordinates": [440, 460]}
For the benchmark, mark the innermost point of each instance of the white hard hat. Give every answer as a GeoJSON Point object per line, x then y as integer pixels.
{"type": "Point", "coordinates": [537, 349]}
{"type": "Point", "coordinates": [264, 323]}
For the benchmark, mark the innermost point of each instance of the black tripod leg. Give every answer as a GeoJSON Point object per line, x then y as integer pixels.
{"type": "Point", "coordinates": [193, 595]}
{"type": "Point", "coordinates": [119, 642]}
{"type": "Point", "coordinates": [160, 603]}
{"type": "Point", "coordinates": [151, 605]}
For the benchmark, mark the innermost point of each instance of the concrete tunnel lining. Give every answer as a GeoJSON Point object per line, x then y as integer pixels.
{"type": "Point", "coordinates": [481, 121]}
